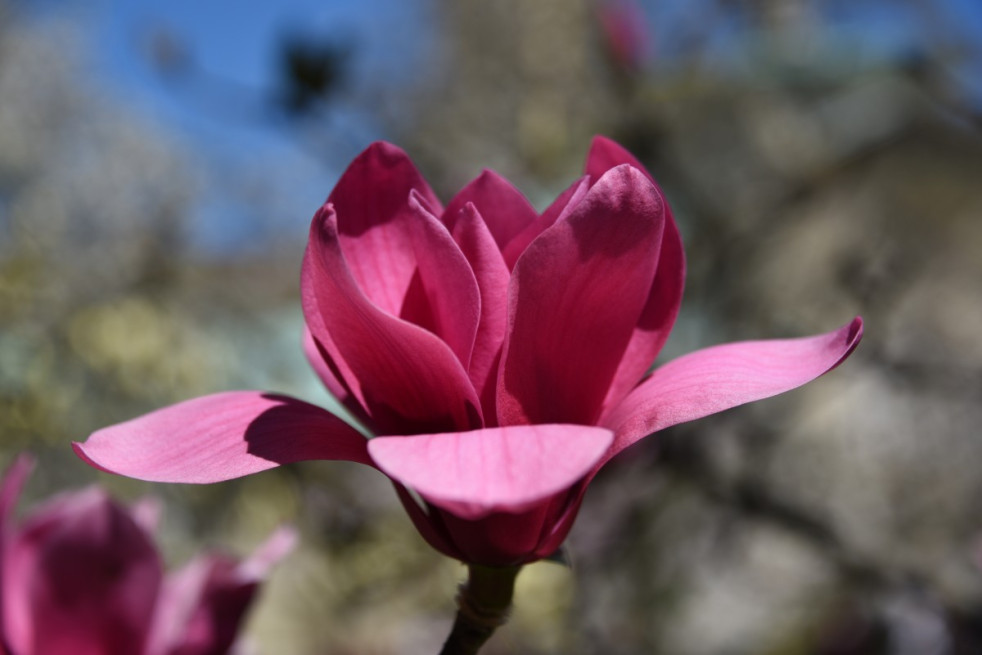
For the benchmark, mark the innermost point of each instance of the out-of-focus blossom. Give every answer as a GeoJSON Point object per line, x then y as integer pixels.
{"type": "Point", "coordinates": [625, 34]}
{"type": "Point", "coordinates": [498, 356]}
{"type": "Point", "coordinates": [81, 576]}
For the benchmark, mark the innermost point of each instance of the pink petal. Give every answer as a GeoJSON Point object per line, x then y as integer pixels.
{"type": "Point", "coordinates": [81, 579]}
{"type": "Point", "coordinates": [447, 283]}
{"type": "Point", "coordinates": [178, 602]}
{"type": "Point", "coordinates": [407, 378]}
{"type": "Point", "coordinates": [268, 554]}
{"type": "Point", "coordinates": [473, 474]}
{"type": "Point", "coordinates": [371, 203]}
{"type": "Point", "coordinates": [576, 295]}
{"type": "Point", "coordinates": [718, 378]}
{"type": "Point", "coordinates": [665, 299]}
{"type": "Point", "coordinates": [477, 244]}
{"type": "Point", "coordinates": [220, 437]}
{"type": "Point", "coordinates": [561, 206]}
{"type": "Point", "coordinates": [202, 606]}
{"type": "Point", "coordinates": [504, 208]}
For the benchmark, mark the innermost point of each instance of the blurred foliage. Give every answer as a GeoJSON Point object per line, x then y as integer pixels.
{"type": "Point", "coordinates": [814, 177]}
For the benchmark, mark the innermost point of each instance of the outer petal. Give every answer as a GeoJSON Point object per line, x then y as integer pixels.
{"type": "Point", "coordinates": [81, 579]}
{"type": "Point", "coordinates": [371, 201]}
{"type": "Point", "coordinates": [562, 205]}
{"type": "Point", "coordinates": [576, 296]}
{"type": "Point", "coordinates": [202, 606]}
{"type": "Point", "coordinates": [222, 436]}
{"type": "Point", "coordinates": [711, 380]}
{"type": "Point", "coordinates": [492, 277]}
{"type": "Point", "coordinates": [504, 208]}
{"type": "Point", "coordinates": [406, 377]}
{"type": "Point", "coordinates": [510, 469]}
{"type": "Point", "coordinates": [665, 299]}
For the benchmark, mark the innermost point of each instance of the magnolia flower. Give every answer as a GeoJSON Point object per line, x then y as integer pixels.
{"type": "Point", "coordinates": [499, 357]}
{"type": "Point", "coordinates": [81, 576]}
{"type": "Point", "coordinates": [625, 33]}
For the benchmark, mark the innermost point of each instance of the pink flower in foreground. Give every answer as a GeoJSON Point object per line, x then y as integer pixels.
{"type": "Point", "coordinates": [81, 576]}
{"type": "Point", "coordinates": [498, 355]}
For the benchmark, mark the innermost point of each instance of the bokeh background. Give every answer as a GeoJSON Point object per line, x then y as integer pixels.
{"type": "Point", "coordinates": [159, 164]}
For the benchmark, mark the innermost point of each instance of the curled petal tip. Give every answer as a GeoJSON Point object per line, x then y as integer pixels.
{"type": "Point", "coordinates": [852, 334]}
{"type": "Point", "coordinates": [855, 330]}
{"type": "Point", "coordinates": [79, 449]}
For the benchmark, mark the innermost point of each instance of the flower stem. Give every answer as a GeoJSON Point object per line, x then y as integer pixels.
{"type": "Point", "coordinates": [483, 604]}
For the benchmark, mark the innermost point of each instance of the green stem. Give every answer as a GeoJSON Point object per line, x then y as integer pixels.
{"type": "Point", "coordinates": [483, 603]}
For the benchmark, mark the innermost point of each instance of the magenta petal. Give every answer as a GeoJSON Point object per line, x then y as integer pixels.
{"type": "Point", "coordinates": [473, 474]}
{"type": "Point", "coordinates": [560, 206]}
{"type": "Point", "coordinates": [268, 554]}
{"type": "Point", "coordinates": [504, 208]}
{"type": "Point", "coordinates": [81, 577]}
{"type": "Point", "coordinates": [665, 299]}
{"type": "Point", "coordinates": [477, 244]}
{"type": "Point", "coordinates": [657, 318]}
{"type": "Point", "coordinates": [447, 281]}
{"type": "Point", "coordinates": [222, 436]}
{"type": "Point", "coordinates": [407, 378]}
{"type": "Point", "coordinates": [203, 605]}
{"type": "Point", "coordinates": [576, 295]}
{"type": "Point", "coordinates": [370, 200]}
{"type": "Point", "coordinates": [711, 380]}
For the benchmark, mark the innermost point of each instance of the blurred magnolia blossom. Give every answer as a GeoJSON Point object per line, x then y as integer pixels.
{"type": "Point", "coordinates": [625, 33]}
{"type": "Point", "coordinates": [81, 576]}
{"type": "Point", "coordinates": [498, 356]}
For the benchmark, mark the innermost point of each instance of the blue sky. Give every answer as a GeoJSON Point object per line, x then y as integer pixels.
{"type": "Point", "coordinates": [226, 118]}
{"type": "Point", "coordinates": [235, 43]}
